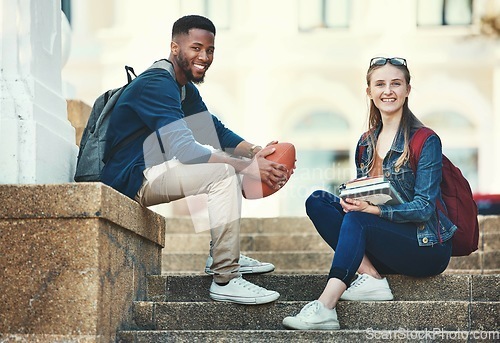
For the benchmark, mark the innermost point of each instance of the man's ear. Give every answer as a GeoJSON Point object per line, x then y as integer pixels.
{"type": "Point", "coordinates": [174, 48]}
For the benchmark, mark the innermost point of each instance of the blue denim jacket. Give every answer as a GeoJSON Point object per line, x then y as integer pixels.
{"type": "Point", "coordinates": [419, 192]}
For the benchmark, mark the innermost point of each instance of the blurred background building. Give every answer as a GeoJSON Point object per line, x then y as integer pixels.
{"type": "Point", "coordinates": [294, 70]}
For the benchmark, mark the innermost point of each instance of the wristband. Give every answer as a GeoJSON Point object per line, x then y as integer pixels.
{"type": "Point", "coordinates": [251, 154]}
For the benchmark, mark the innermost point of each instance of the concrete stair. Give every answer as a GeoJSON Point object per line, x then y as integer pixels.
{"type": "Point", "coordinates": [294, 247]}
{"type": "Point", "coordinates": [460, 305]}
{"type": "Point", "coordinates": [180, 310]}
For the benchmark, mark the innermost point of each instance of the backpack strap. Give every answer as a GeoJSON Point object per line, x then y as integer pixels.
{"type": "Point", "coordinates": [416, 144]}
{"type": "Point", "coordinates": [168, 66]}
{"type": "Point", "coordinates": [130, 70]}
{"type": "Point", "coordinates": [360, 150]}
{"type": "Point", "coordinates": [161, 64]}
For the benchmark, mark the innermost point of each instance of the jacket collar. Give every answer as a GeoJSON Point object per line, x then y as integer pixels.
{"type": "Point", "coordinates": [397, 146]}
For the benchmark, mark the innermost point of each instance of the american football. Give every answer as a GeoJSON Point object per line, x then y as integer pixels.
{"type": "Point", "coordinates": [284, 154]}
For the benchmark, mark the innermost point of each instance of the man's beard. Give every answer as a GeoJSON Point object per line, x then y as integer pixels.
{"type": "Point", "coordinates": [184, 64]}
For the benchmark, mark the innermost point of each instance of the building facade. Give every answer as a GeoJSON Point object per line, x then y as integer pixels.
{"type": "Point", "coordinates": [294, 70]}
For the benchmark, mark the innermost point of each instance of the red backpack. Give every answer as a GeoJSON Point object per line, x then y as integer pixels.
{"type": "Point", "coordinates": [457, 196]}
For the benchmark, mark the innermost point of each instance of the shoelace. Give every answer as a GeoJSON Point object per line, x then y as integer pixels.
{"type": "Point", "coordinates": [248, 285]}
{"type": "Point", "coordinates": [358, 282]}
{"type": "Point", "coordinates": [309, 309]}
{"type": "Point", "coordinates": [248, 260]}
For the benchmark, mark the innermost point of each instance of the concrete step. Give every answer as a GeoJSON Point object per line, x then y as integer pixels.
{"type": "Point", "coordinates": [281, 336]}
{"type": "Point", "coordinates": [282, 225]}
{"type": "Point", "coordinates": [461, 305]}
{"type": "Point", "coordinates": [390, 315]}
{"type": "Point", "coordinates": [284, 261]}
{"type": "Point", "coordinates": [182, 288]}
{"type": "Point", "coordinates": [488, 225]}
{"type": "Point", "coordinates": [293, 246]}
{"type": "Point", "coordinates": [318, 261]}
{"type": "Point", "coordinates": [425, 309]}
{"type": "Point", "coordinates": [187, 243]}
{"type": "Point", "coordinates": [479, 260]}
{"type": "Point", "coordinates": [181, 242]}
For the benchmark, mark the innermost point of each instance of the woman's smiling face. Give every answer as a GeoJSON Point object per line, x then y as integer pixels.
{"type": "Point", "coordinates": [388, 89]}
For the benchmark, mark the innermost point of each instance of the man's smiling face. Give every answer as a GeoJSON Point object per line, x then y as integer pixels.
{"type": "Point", "coordinates": [193, 54]}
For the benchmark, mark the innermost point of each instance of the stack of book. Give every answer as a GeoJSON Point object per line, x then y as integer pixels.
{"type": "Point", "coordinates": [374, 189]}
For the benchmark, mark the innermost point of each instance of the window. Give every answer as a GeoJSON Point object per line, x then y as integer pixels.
{"type": "Point", "coordinates": [217, 11]}
{"type": "Point", "coordinates": [448, 119]}
{"type": "Point", "coordinates": [444, 12]}
{"type": "Point", "coordinates": [467, 160]}
{"type": "Point", "coordinates": [319, 169]}
{"type": "Point", "coordinates": [321, 121]}
{"type": "Point", "coordinates": [314, 14]}
{"type": "Point", "coordinates": [321, 162]}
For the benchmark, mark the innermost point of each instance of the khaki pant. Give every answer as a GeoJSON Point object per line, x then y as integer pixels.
{"type": "Point", "coordinates": [173, 180]}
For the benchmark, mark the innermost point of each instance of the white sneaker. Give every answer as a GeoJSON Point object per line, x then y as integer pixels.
{"type": "Point", "coordinates": [248, 265]}
{"type": "Point", "coordinates": [313, 316]}
{"type": "Point", "coordinates": [368, 288]}
{"type": "Point", "coordinates": [240, 291]}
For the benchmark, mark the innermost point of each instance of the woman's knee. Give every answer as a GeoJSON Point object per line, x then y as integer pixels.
{"type": "Point", "coordinates": [315, 200]}
{"type": "Point", "coordinates": [355, 218]}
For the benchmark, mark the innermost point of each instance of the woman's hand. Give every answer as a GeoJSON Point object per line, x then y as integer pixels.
{"type": "Point", "coordinates": [350, 205]}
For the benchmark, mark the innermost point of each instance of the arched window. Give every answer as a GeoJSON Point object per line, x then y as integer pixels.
{"type": "Point", "coordinates": [320, 121]}
{"type": "Point", "coordinates": [321, 163]}
{"type": "Point", "coordinates": [448, 120]}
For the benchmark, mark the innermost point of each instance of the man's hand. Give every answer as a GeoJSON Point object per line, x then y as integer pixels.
{"type": "Point", "coordinates": [271, 173]}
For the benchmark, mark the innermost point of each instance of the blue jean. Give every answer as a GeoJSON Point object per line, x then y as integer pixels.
{"type": "Point", "coordinates": [391, 247]}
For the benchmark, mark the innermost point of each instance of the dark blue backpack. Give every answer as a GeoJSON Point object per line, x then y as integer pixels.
{"type": "Point", "coordinates": [91, 157]}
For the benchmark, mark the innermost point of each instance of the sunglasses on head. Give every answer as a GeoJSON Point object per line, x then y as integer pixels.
{"type": "Point", "coordinates": [382, 61]}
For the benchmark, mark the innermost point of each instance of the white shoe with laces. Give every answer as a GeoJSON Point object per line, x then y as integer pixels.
{"type": "Point", "coordinates": [367, 288]}
{"type": "Point", "coordinates": [241, 291]}
{"type": "Point", "coordinates": [313, 316]}
{"type": "Point", "coordinates": [248, 265]}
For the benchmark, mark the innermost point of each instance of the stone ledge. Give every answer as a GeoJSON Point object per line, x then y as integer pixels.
{"type": "Point", "coordinates": [74, 257]}
{"type": "Point", "coordinates": [80, 200]}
